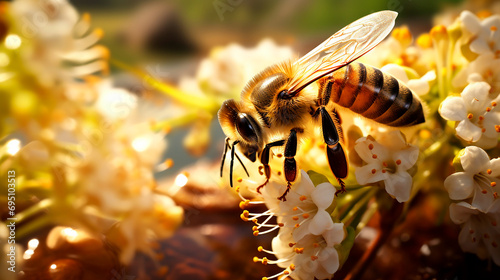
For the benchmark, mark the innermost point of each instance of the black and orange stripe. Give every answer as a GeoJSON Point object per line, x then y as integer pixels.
{"type": "Point", "coordinates": [373, 94]}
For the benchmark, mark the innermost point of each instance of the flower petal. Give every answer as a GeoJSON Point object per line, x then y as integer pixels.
{"type": "Point", "coordinates": [461, 212]}
{"type": "Point", "coordinates": [329, 259]}
{"type": "Point", "coordinates": [474, 160]}
{"type": "Point", "coordinates": [408, 157]}
{"type": "Point", "coordinates": [320, 223]}
{"type": "Point", "coordinates": [480, 46]}
{"type": "Point", "coordinates": [323, 195]}
{"type": "Point", "coordinates": [306, 186]}
{"type": "Point", "coordinates": [365, 175]}
{"type": "Point", "coordinates": [468, 131]}
{"type": "Point", "coordinates": [495, 167]}
{"type": "Point", "coordinates": [335, 235]}
{"type": "Point", "coordinates": [459, 185]}
{"type": "Point", "coordinates": [398, 185]}
{"type": "Point", "coordinates": [453, 109]}
{"type": "Point", "coordinates": [475, 97]}
{"type": "Point", "coordinates": [470, 22]}
{"type": "Point", "coordinates": [483, 196]}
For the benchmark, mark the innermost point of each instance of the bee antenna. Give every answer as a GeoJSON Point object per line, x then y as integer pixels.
{"type": "Point", "coordinates": [244, 168]}
{"type": "Point", "coordinates": [232, 163]}
{"type": "Point", "coordinates": [224, 156]}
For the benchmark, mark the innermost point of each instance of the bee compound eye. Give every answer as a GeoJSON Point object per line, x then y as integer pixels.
{"type": "Point", "coordinates": [246, 128]}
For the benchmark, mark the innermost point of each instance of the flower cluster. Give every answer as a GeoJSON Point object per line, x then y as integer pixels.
{"type": "Point", "coordinates": [85, 147]}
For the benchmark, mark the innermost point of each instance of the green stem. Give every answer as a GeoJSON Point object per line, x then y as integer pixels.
{"type": "Point", "coordinates": [188, 100]}
{"type": "Point", "coordinates": [176, 122]}
{"type": "Point", "coordinates": [33, 210]}
{"type": "Point", "coordinates": [357, 206]}
{"type": "Point", "coordinates": [33, 226]}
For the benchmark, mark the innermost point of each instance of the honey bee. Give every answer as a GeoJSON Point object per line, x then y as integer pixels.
{"type": "Point", "coordinates": [279, 106]}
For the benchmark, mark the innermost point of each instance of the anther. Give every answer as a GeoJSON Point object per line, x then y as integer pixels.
{"type": "Point", "coordinates": [264, 260]}
{"type": "Point", "coordinates": [374, 156]}
{"type": "Point", "coordinates": [305, 215]}
{"type": "Point", "coordinates": [493, 184]}
{"type": "Point", "coordinates": [260, 249]}
{"type": "Point", "coordinates": [281, 224]}
{"type": "Point", "coordinates": [495, 195]}
{"type": "Point", "coordinates": [488, 171]}
{"type": "Point", "coordinates": [286, 272]}
{"type": "Point", "coordinates": [297, 225]}
{"type": "Point", "coordinates": [315, 245]}
{"type": "Point", "coordinates": [398, 162]}
{"type": "Point", "coordinates": [493, 28]}
{"type": "Point", "coordinates": [295, 208]}
{"type": "Point", "coordinates": [303, 197]}
{"type": "Point", "coordinates": [493, 104]}
{"type": "Point", "coordinates": [255, 259]}
{"type": "Point", "coordinates": [255, 228]}
{"type": "Point", "coordinates": [239, 180]}
{"type": "Point", "coordinates": [291, 244]}
{"type": "Point", "coordinates": [292, 267]}
{"type": "Point", "coordinates": [484, 191]}
{"type": "Point", "coordinates": [373, 171]}
{"type": "Point", "coordinates": [295, 218]}
{"type": "Point", "coordinates": [470, 116]}
{"type": "Point", "coordinates": [488, 109]}
{"type": "Point", "coordinates": [384, 171]}
{"type": "Point", "coordinates": [370, 146]}
{"type": "Point", "coordinates": [255, 233]}
{"type": "Point", "coordinates": [481, 118]}
{"type": "Point", "coordinates": [299, 250]}
{"type": "Point", "coordinates": [497, 128]}
{"type": "Point", "coordinates": [384, 164]}
{"type": "Point", "coordinates": [313, 258]}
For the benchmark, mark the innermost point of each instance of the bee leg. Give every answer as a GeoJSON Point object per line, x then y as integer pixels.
{"type": "Point", "coordinates": [290, 165]}
{"type": "Point", "coordinates": [334, 151]}
{"type": "Point", "coordinates": [264, 159]}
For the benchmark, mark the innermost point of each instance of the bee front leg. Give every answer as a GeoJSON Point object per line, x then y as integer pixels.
{"type": "Point", "coordinates": [290, 165]}
{"type": "Point", "coordinates": [264, 159]}
{"type": "Point", "coordinates": [334, 151]}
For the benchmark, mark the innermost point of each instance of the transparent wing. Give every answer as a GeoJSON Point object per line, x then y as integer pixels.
{"type": "Point", "coordinates": [341, 48]}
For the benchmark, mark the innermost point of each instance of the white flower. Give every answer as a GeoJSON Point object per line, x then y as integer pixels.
{"type": "Point", "coordinates": [227, 69]}
{"type": "Point", "coordinates": [483, 69]}
{"type": "Point", "coordinates": [485, 34]}
{"type": "Point", "coordinates": [419, 86]}
{"type": "Point", "coordinates": [387, 160]}
{"type": "Point", "coordinates": [478, 180]}
{"type": "Point", "coordinates": [477, 115]}
{"type": "Point", "coordinates": [480, 232]}
{"type": "Point", "coordinates": [312, 256]}
{"type": "Point", "coordinates": [305, 205]}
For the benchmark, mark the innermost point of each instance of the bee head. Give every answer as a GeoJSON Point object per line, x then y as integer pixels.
{"type": "Point", "coordinates": [240, 126]}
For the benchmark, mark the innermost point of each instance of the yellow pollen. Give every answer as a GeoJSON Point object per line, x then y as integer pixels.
{"type": "Point", "coordinates": [489, 171]}
{"type": "Point", "coordinates": [237, 189]}
{"type": "Point", "coordinates": [484, 191]}
{"type": "Point", "coordinates": [242, 204]}
{"type": "Point", "coordinates": [295, 208]}
{"type": "Point", "coordinates": [244, 218]}
{"type": "Point", "coordinates": [497, 128]}
{"type": "Point", "coordinates": [169, 163]}
{"type": "Point", "coordinates": [398, 162]}
{"type": "Point", "coordinates": [373, 171]}
{"type": "Point", "coordinates": [255, 259]}
{"type": "Point", "coordinates": [255, 233]}
{"type": "Point", "coordinates": [239, 180]}
{"type": "Point", "coordinates": [286, 272]}
{"type": "Point", "coordinates": [424, 41]}
{"type": "Point", "coordinates": [470, 116]}
{"type": "Point", "coordinates": [245, 213]}
{"type": "Point", "coordinates": [305, 215]}
{"type": "Point", "coordinates": [299, 250]}
{"type": "Point", "coordinates": [291, 244]}
{"type": "Point", "coordinates": [493, 184]}
{"type": "Point", "coordinates": [295, 218]}
{"type": "Point", "coordinates": [303, 197]}
{"type": "Point", "coordinates": [493, 28]}
{"type": "Point", "coordinates": [488, 109]}
{"type": "Point", "coordinates": [260, 249]}
{"type": "Point", "coordinates": [254, 228]}
{"type": "Point", "coordinates": [374, 156]}
{"type": "Point", "coordinates": [313, 258]}
{"type": "Point", "coordinates": [264, 278]}
{"type": "Point", "coordinates": [370, 146]}
{"type": "Point", "coordinates": [297, 225]}
{"type": "Point", "coordinates": [292, 267]}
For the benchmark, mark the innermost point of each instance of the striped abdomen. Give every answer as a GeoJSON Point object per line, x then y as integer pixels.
{"type": "Point", "coordinates": [373, 94]}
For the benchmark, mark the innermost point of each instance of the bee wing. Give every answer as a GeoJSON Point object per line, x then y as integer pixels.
{"type": "Point", "coordinates": [341, 48]}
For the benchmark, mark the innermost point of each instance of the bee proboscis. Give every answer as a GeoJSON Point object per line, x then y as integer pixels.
{"type": "Point", "coordinates": [278, 106]}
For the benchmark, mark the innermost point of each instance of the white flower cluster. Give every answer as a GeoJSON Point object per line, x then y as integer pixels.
{"type": "Point", "coordinates": [479, 208]}
{"type": "Point", "coordinates": [475, 111]}
{"type": "Point", "coordinates": [308, 239]}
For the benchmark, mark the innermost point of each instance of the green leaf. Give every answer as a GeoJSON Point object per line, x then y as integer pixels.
{"type": "Point", "coordinates": [345, 247]}
{"type": "Point", "coordinates": [317, 178]}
